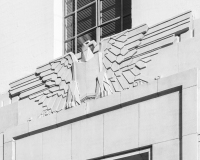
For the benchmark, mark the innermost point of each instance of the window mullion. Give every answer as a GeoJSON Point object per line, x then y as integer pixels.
{"type": "Point", "coordinates": [122, 15]}
{"type": "Point", "coordinates": [76, 43]}
{"type": "Point", "coordinates": [98, 21]}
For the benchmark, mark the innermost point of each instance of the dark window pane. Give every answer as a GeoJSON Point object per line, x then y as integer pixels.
{"type": "Point", "coordinates": [86, 19]}
{"type": "Point", "coordinates": [89, 36]}
{"type": "Point", "coordinates": [126, 7]}
{"type": "Point", "coordinates": [110, 9]}
{"type": "Point", "coordinates": [69, 27]}
{"type": "Point", "coordinates": [142, 156]}
{"type": "Point", "coordinates": [127, 22]}
{"type": "Point", "coordinates": [69, 46]}
{"type": "Point", "coordinates": [81, 3]}
{"type": "Point", "coordinates": [69, 6]}
{"type": "Point", "coordinates": [111, 28]}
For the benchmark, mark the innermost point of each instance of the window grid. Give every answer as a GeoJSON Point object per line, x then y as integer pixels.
{"type": "Point", "coordinates": [98, 28]}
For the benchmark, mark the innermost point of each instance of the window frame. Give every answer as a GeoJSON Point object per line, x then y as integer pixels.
{"type": "Point", "coordinates": [97, 27]}
{"type": "Point", "coordinates": [148, 150]}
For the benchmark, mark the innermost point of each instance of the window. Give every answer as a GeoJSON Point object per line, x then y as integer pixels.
{"type": "Point", "coordinates": [93, 20]}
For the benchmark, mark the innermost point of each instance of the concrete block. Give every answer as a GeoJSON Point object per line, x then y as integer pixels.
{"type": "Point", "coordinates": [9, 150]}
{"type": "Point", "coordinates": [42, 123]}
{"type": "Point", "coordinates": [159, 119]}
{"type": "Point", "coordinates": [87, 138]}
{"type": "Point", "coordinates": [166, 150]}
{"type": "Point", "coordinates": [28, 110]}
{"type": "Point", "coordinates": [189, 56]}
{"type": "Point", "coordinates": [8, 116]}
{"type": "Point", "coordinates": [189, 111]}
{"type": "Point", "coordinates": [163, 64]}
{"type": "Point", "coordinates": [57, 143]}
{"type": "Point", "coordinates": [72, 114]}
{"type": "Point", "coordinates": [29, 148]}
{"type": "Point", "coordinates": [15, 132]}
{"type": "Point", "coordinates": [197, 28]}
{"type": "Point", "coordinates": [128, 96]}
{"type": "Point", "coordinates": [104, 103]}
{"type": "Point", "coordinates": [185, 79]}
{"type": "Point", "coordinates": [190, 147]}
{"type": "Point", "coordinates": [121, 129]}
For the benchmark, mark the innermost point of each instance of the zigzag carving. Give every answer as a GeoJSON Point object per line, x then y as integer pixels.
{"type": "Point", "coordinates": [116, 64]}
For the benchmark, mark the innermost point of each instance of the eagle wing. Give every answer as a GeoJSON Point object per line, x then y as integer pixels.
{"type": "Point", "coordinates": [51, 86]}
{"type": "Point", "coordinates": [127, 54]}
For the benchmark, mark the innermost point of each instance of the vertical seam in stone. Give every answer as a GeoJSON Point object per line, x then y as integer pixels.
{"type": "Point", "coordinates": [3, 148]}
{"type": "Point", "coordinates": [71, 141]}
{"type": "Point", "coordinates": [180, 123]}
{"type": "Point", "coordinates": [157, 86]}
{"type": "Point", "coordinates": [103, 134]}
{"type": "Point", "coordinates": [178, 52]}
{"type": "Point", "coordinates": [138, 124]}
{"type": "Point", "coordinates": [42, 144]}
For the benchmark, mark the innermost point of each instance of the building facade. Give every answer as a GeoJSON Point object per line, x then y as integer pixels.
{"type": "Point", "coordinates": [130, 95]}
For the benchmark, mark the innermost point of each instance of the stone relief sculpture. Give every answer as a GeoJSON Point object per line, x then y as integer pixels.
{"type": "Point", "coordinates": [117, 63]}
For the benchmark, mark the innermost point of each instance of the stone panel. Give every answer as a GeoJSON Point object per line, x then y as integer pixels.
{"type": "Point", "coordinates": [197, 28]}
{"type": "Point", "coordinates": [29, 148]}
{"type": "Point", "coordinates": [41, 123]}
{"type": "Point", "coordinates": [103, 103]}
{"type": "Point", "coordinates": [72, 113]}
{"type": "Point", "coordinates": [189, 54]}
{"type": "Point", "coordinates": [57, 144]}
{"type": "Point", "coordinates": [138, 92]}
{"type": "Point", "coordinates": [185, 79]}
{"type": "Point", "coordinates": [166, 150]}
{"type": "Point", "coordinates": [87, 138]}
{"type": "Point", "coordinates": [190, 147]}
{"type": "Point", "coordinates": [1, 140]}
{"type": "Point", "coordinates": [159, 119]}
{"type": "Point", "coordinates": [198, 147]}
{"type": "Point", "coordinates": [16, 131]}
{"type": "Point", "coordinates": [121, 129]}
{"type": "Point", "coordinates": [28, 110]}
{"type": "Point", "coordinates": [189, 111]}
{"type": "Point", "coordinates": [8, 116]}
{"type": "Point", "coordinates": [1, 153]}
{"type": "Point", "coordinates": [8, 150]}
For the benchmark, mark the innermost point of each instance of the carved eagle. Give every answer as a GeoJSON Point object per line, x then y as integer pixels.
{"type": "Point", "coordinates": [117, 63]}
